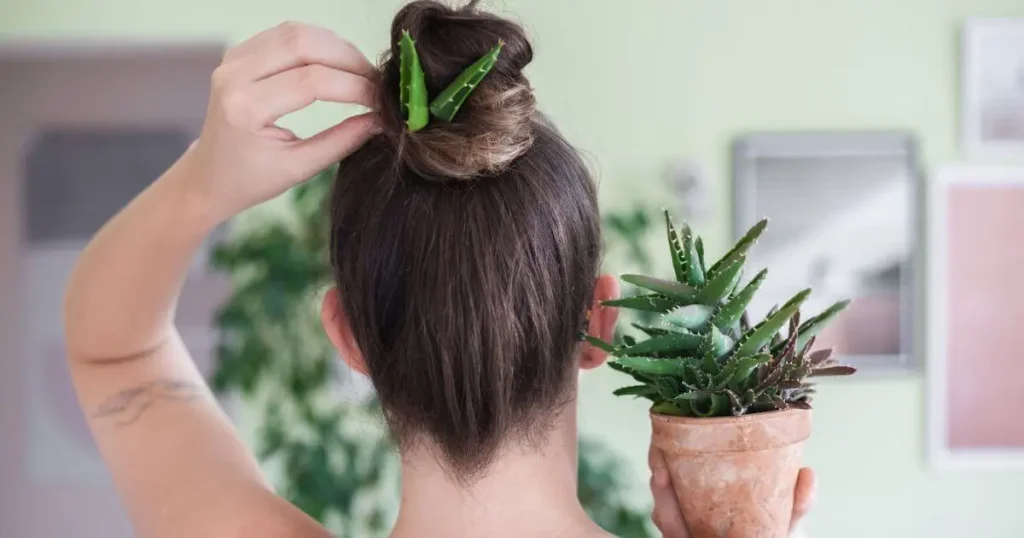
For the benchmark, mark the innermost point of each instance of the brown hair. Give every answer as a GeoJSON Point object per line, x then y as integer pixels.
{"type": "Point", "coordinates": [466, 253]}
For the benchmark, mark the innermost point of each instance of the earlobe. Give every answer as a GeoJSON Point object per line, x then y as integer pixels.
{"type": "Point", "coordinates": [602, 321]}
{"type": "Point", "coordinates": [339, 332]}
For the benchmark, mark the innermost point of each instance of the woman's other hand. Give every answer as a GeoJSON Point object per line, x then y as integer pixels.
{"type": "Point", "coordinates": [670, 520]}
{"type": "Point", "coordinates": [242, 158]}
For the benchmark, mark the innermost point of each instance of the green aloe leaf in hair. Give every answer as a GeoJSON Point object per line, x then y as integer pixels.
{"type": "Point", "coordinates": [413, 85]}
{"type": "Point", "coordinates": [447, 104]}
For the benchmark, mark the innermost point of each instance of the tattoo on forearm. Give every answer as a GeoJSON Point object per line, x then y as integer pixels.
{"type": "Point", "coordinates": [127, 406]}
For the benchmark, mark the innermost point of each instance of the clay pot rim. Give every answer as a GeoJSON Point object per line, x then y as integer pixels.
{"type": "Point", "coordinates": [752, 417]}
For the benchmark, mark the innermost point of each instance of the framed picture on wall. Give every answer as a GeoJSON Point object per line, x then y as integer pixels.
{"type": "Point", "coordinates": [993, 89]}
{"type": "Point", "coordinates": [976, 304]}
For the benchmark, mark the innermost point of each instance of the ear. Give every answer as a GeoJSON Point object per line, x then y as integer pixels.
{"type": "Point", "coordinates": [602, 321]}
{"type": "Point", "coordinates": [338, 330]}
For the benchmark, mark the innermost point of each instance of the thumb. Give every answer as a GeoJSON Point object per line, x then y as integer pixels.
{"type": "Point", "coordinates": [330, 146]}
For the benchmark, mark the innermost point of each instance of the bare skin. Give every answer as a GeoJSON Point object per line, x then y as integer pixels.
{"type": "Point", "coordinates": [176, 460]}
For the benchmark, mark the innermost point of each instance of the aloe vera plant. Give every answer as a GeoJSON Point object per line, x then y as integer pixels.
{"type": "Point", "coordinates": [705, 359]}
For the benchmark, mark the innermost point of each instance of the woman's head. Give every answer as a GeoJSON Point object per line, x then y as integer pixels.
{"type": "Point", "coordinates": [465, 254]}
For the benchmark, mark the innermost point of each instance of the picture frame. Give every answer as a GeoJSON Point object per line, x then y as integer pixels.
{"type": "Point", "coordinates": [969, 209]}
{"type": "Point", "coordinates": [824, 193]}
{"type": "Point", "coordinates": [992, 80]}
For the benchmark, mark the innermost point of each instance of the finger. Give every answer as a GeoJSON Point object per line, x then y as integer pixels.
{"type": "Point", "coordinates": [659, 470]}
{"type": "Point", "coordinates": [804, 495]}
{"type": "Point", "coordinates": [291, 45]}
{"type": "Point", "coordinates": [298, 88]}
{"type": "Point", "coordinates": [667, 515]}
{"type": "Point", "coordinates": [331, 146]}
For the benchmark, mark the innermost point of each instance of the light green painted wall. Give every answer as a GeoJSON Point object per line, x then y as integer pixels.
{"type": "Point", "coordinates": [637, 83]}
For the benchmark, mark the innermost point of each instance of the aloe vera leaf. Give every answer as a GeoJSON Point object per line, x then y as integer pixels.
{"type": "Point", "coordinates": [649, 331]}
{"type": "Point", "coordinates": [718, 343]}
{"type": "Point", "coordinates": [652, 366]}
{"type": "Point", "coordinates": [694, 272]}
{"type": "Point", "coordinates": [713, 405]}
{"type": "Point", "coordinates": [675, 247]}
{"type": "Point", "coordinates": [695, 377]}
{"type": "Point", "coordinates": [763, 332]}
{"type": "Point", "coordinates": [692, 317]}
{"type": "Point", "coordinates": [647, 303]}
{"type": "Point", "coordinates": [641, 378]}
{"type": "Point", "coordinates": [674, 342]}
{"type": "Point", "coordinates": [738, 369]}
{"type": "Point", "coordinates": [412, 84]}
{"type": "Point", "coordinates": [667, 408]}
{"type": "Point", "coordinates": [447, 104]}
{"type": "Point", "coordinates": [639, 391]}
{"type": "Point", "coordinates": [733, 310]}
{"type": "Point", "coordinates": [628, 340]}
{"type": "Point", "coordinates": [738, 409]}
{"type": "Point", "coordinates": [600, 344]}
{"type": "Point", "coordinates": [819, 357]}
{"type": "Point", "coordinates": [813, 326]}
{"type": "Point", "coordinates": [832, 371]}
{"type": "Point", "coordinates": [698, 245]}
{"type": "Point", "coordinates": [741, 247]}
{"type": "Point", "coordinates": [678, 291]}
{"type": "Point", "coordinates": [720, 283]}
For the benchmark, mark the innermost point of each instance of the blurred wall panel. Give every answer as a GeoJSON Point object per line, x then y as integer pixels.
{"type": "Point", "coordinates": [85, 128]}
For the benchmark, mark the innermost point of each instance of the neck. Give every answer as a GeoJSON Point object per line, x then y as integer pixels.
{"type": "Point", "coordinates": [528, 491]}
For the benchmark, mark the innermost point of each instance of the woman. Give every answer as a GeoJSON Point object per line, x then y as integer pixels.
{"type": "Point", "coordinates": [466, 260]}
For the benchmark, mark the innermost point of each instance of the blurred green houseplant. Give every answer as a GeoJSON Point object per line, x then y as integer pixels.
{"type": "Point", "coordinates": [331, 455]}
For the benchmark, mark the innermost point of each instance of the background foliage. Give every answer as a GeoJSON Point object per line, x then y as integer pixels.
{"type": "Point", "coordinates": [321, 433]}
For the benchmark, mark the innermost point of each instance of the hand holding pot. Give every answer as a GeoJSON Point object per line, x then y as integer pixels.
{"type": "Point", "coordinates": [670, 520]}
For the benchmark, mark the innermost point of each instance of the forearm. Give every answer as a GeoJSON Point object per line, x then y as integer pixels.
{"type": "Point", "coordinates": [122, 293]}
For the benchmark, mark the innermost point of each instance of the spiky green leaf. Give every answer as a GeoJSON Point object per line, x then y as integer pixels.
{"type": "Point", "coordinates": [639, 391]}
{"type": "Point", "coordinates": [721, 282]}
{"type": "Point", "coordinates": [675, 248]}
{"type": "Point", "coordinates": [667, 408]}
{"type": "Point", "coordinates": [694, 271]}
{"type": "Point", "coordinates": [679, 291]}
{"type": "Point", "coordinates": [649, 331]}
{"type": "Point", "coordinates": [673, 343]}
{"type": "Point", "coordinates": [729, 314]}
{"type": "Point", "coordinates": [691, 317]}
{"type": "Point", "coordinates": [600, 344]}
{"type": "Point", "coordinates": [763, 332]}
{"type": "Point", "coordinates": [713, 405]}
{"type": "Point", "coordinates": [813, 326]}
{"type": "Point", "coordinates": [412, 85]}
{"type": "Point", "coordinates": [698, 244]}
{"type": "Point", "coordinates": [647, 303]}
{"type": "Point", "coordinates": [448, 102]}
{"type": "Point", "coordinates": [741, 247]}
{"type": "Point", "coordinates": [652, 366]}
{"type": "Point", "coordinates": [737, 370]}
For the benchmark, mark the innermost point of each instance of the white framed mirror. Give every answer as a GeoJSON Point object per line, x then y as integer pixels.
{"type": "Point", "coordinates": [843, 210]}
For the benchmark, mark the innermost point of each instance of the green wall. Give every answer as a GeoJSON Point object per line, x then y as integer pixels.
{"type": "Point", "coordinates": [638, 83]}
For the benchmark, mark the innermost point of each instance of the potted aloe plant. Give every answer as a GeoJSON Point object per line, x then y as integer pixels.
{"type": "Point", "coordinates": [730, 400]}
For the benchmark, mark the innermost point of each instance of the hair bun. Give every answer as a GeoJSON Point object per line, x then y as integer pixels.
{"type": "Point", "coordinates": [495, 125]}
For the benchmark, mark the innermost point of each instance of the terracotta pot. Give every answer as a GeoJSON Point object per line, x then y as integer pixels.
{"type": "Point", "coordinates": [734, 476]}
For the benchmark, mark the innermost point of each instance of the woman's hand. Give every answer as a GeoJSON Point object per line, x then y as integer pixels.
{"type": "Point", "coordinates": [671, 521]}
{"type": "Point", "coordinates": [242, 158]}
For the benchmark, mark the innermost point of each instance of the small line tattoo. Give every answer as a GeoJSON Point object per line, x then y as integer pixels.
{"type": "Point", "coordinates": [127, 406]}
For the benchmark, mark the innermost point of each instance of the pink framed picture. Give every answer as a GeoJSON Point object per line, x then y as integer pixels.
{"type": "Point", "coordinates": [975, 311]}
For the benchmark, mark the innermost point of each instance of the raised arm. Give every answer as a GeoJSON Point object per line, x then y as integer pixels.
{"type": "Point", "coordinates": [176, 460]}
